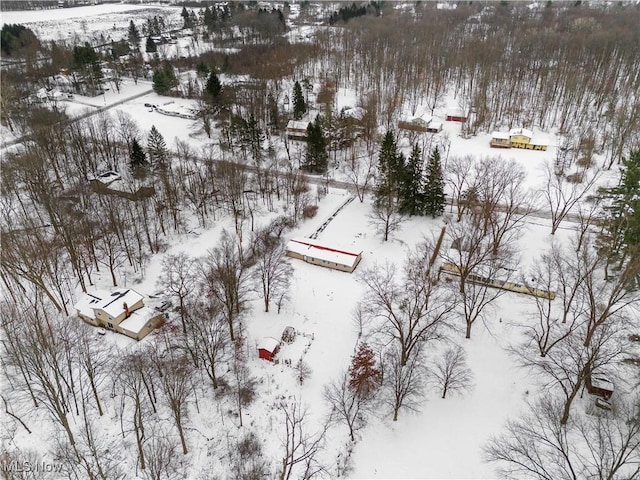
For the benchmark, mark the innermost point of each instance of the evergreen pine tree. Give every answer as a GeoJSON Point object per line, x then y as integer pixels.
{"type": "Point", "coordinates": [138, 159]}
{"type": "Point", "coordinates": [620, 239]}
{"type": "Point", "coordinates": [134, 35]}
{"type": "Point", "coordinates": [160, 84]}
{"type": "Point", "coordinates": [185, 17]}
{"type": "Point", "coordinates": [151, 46]}
{"type": "Point", "coordinates": [157, 148]}
{"type": "Point", "coordinates": [213, 88]}
{"type": "Point", "coordinates": [274, 114]}
{"type": "Point", "coordinates": [299, 105]}
{"type": "Point", "coordinates": [434, 199]}
{"type": "Point", "coordinates": [390, 170]}
{"type": "Point", "coordinates": [164, 80]}
{"type": "Point", "coordinates": [209, 17]}
{"type": "Point", "coordinates": [317, 157]}
{"type": "Point", "coordinates": [412, 188]}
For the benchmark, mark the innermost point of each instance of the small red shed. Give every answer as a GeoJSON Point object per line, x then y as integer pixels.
{"type": "Point", "coordinates": [268, 348]}
{"type": "Point", "coordinates": [457, 116]}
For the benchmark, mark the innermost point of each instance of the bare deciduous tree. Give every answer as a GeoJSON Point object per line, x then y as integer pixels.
{"type": "Point", "coordinates": [162, 461]}
{"type": "Point", "coordinates": [225, 274]}
{"type": "Point", "coordinates": [248, 462]}
{"type": "Point", "coordinates": [451, 371]}
{"type": "Point", "coordinates": [178, 277]}
{"type": "Point", "coordinates": [207, 338]}
{"type": "Point", "coordinates": [412, 309]}
{"type": "Point", "coordinates": [175, 380]}
{"type": "Point", "coordinates": [562, 193]}
{"type": "Point", "coordinates": [459, 175]}
{"type": "Point", "coordinates": [359, 171]}
{"type": "Point", "coordinates": [403, 383]}
{"type": "Point", "coordinates": [301, 447]}
{"type": "Point", "coordinates": [272, 266]}
{"type": "Point", "coordinates": [569, 364]}
{"type": "Point", "coordinates": [346, 405]}
{"type": "Point", "coordinates": [386, 218]}
{"type": "Point", "coordinates": [539, 447]}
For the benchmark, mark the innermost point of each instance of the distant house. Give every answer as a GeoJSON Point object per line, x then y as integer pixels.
{"type": "Point", "coordinates": [122, 311]}
{"type": "Point", "coordinates": [457, 116]}
{"type": "Point", "coordinates": [297, 130]}
{"type": "Point", "coordinates": [175, 110]}
{"type": "Point", "coordinates": [414, 124]}
{"type": "Point", "coordinates": [268, 348]}
{"type": "Point", "coordinates": [107, 178]}
{"type": "Point", "coordinates": [521, 136]}
{"type": "Point", "coordinates": [316, 253]}
{"type": "Point", "coordinates": [517, 138]}
{"type": "Point", "coordinates": [353, 114]}
{"type": "Point", "coordinates": [500, 140]}
{"type": "Point", "coordinates": [434, 127]}
{"type": "Point", "coordinates": [599, 386]}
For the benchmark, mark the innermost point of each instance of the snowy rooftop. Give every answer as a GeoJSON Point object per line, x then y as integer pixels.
{"type": "Point", "coordinates": [317, 250]}
{"type": "Point", "coordinates": [297, 125]}
{"type": "Point", "coordinates": [354, 112]}
{"type": "Point", "coordinates": [500, 135]}
{"type": "Point", "coordinates": [113, 303]}
{"type": "Point", "coordinates": [88, 301]}
{"type": "Point", "coordinates": [108, 178]}
{"type": "Point", "coordinates": [268, 343]}
{"type": "Point", "coordinates": [138, 319]}
{"type": "Point", "coordinates": [172, 108]}
{"type": "Point", "coordinates": [603, 383]}
{"type": "Point", "coordinates": [521, 131]}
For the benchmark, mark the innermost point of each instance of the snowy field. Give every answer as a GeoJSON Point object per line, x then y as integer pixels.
{"type": "Point", "coordinates": [87, 23]}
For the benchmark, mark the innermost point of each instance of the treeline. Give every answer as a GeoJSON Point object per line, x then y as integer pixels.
{"type": "Point", "coordinates": [10, 5]}
{"type": "Point", "coordinates": [502, 72]}
{"type": "Point", "coordinates": [347, 13]}
{"type": "Point", "coordinates": [51, 182]}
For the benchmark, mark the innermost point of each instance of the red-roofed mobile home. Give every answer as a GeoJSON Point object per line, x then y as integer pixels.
{"type": "Point", "coordinates": [314, 252]}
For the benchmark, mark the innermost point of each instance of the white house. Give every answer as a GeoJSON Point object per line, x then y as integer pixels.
{"type": "Point", "coordinates": [317, 253]}
{"type": "Point", "coordinates": [122, 311]}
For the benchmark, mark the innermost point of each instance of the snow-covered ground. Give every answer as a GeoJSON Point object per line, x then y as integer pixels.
{"type": "Point", "coordinates": [89, 22]}
{"type": "Point", "coordinates": [443, 440]}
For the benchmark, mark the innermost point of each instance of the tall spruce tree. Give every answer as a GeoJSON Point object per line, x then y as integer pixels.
{"type": "Point", "coordinates": [134, 36]}
{"type": "Point", "coordinates": [138, 159]}
{"type": "Point", "coordinates": [185, 17]}
{"type": "Point", "coordinates": [434, 199]}
{"type": "Point", "coordinates": [151, 46]}
{"type": "Point", "coordinates": [157, 148]}
{"type": "Point", "coordinates": [299, 105]}
{"type": "Point", "coordinates": [412, 190]}
{"type": "Point", "coordinates": [390, 170]}
{"type": "Point", "coordinates": [621, 234]}
{"type": "Point", "coordinates": [164, 80]}
{"type": "Point", "coordinates": [213, 89]}
{"type": "Point", "coordinates": [317, 157]}
{"type": "Point", "coordinates": [386, 215]}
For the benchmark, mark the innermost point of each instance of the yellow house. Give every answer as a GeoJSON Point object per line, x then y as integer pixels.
{"type": "Point", "coordinates": [500, 140]}
{"type": "Point", "coordinates": [520, 137]}
{"type": "Point", "coordinates": [517, 138]}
